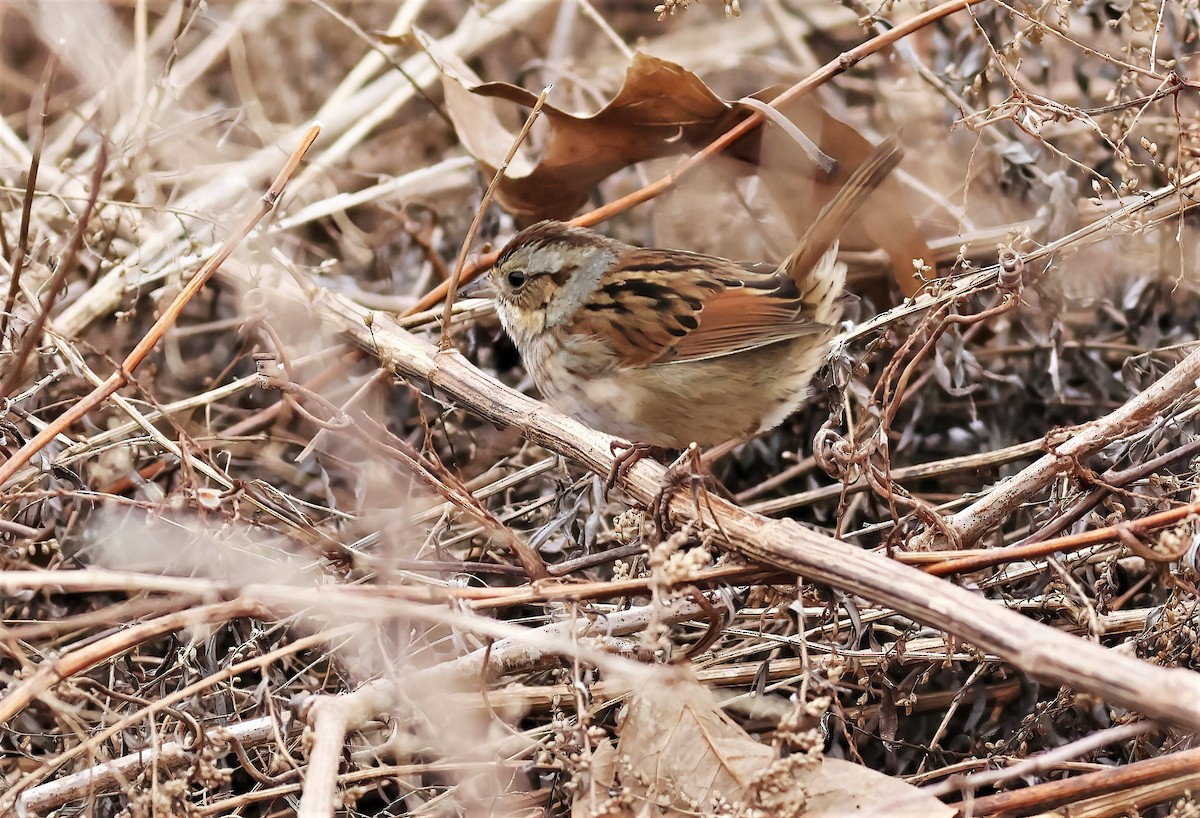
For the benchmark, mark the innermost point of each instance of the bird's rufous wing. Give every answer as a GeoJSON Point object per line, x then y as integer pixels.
{"type": "Point", "coordinates": [668, 306]}
{"type": "Point", "coordinates": [665, 307]}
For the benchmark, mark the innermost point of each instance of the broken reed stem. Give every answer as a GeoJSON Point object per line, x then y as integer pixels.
{"type": "Point", "coordinates": [121, 377]}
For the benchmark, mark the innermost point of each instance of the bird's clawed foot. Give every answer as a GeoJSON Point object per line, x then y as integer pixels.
{"type": "Point", "coordinates": [688, 469]}
{"type": "Point", "coordinates": [627, 454]}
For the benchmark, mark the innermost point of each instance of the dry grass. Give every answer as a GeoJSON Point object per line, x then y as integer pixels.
{"type": "Point", "coordinates": [286, 499]}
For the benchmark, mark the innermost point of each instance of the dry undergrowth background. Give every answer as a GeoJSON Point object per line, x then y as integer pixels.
{"type": "Point", "coordinates": [263, 514]}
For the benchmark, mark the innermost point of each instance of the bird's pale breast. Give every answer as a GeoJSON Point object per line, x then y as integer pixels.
{"type": "Point", "coordinates": [674, 404]}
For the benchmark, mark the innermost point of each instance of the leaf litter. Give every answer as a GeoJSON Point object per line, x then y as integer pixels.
{"type": "Point", "coordinates": [283, 488]}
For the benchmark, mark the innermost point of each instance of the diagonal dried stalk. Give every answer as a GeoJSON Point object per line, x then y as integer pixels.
{"type": "Point", "coordinates": [1172, 696]}
{"type": "Point", "coordinates": [456, 276]}
{"type": "Point", "coordinates": [974, 521]}
{"type": "Point", "coordinates": [1181, 768]}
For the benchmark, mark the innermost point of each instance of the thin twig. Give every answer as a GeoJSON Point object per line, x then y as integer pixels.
{"type": "Point", "coordinates": [66, 265]}
{"type": "Point", "coordinates": [35, 162]}
{"type": "Point", "coordinates": [121, 377]}
{"type": "Point", "coordinates": [456, 275]}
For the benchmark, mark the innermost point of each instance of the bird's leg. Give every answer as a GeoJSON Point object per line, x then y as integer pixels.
{"type": "Point", "coordinates": [692, 467]}
{"type": "Point", "coordinates": [710, 456]}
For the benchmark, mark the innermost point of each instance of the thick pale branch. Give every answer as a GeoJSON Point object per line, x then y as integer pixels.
{"type": "Point", "coordinates": [110, 776]}
{"type": "Point", "coordinates": [1171, 696]}
{"type": "Point", "coordinates": [1134, 415]}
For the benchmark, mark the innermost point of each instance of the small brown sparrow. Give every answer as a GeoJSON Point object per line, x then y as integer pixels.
{"type": "Point", "coordinates": [667, 347]}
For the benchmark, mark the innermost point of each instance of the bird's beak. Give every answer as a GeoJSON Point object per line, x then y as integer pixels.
{"type": "Point", "coordinates": [479, 288]}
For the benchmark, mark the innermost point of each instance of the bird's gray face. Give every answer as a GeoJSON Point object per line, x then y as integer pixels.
{"type": "Point", "coordinates": [544, 276]}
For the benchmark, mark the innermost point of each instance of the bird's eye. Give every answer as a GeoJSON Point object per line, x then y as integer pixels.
{"type": "Point", "coordinates": [517, 279]}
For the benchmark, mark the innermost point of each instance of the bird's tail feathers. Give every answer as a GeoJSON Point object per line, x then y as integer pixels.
{"type": "Point", "coordinates": [808, 260]}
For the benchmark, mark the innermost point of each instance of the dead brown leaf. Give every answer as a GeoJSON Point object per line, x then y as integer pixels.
{"type": "Point", "coordinates": [662, 110]}
{"type": "Point", "coordinates": [679, 754]}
